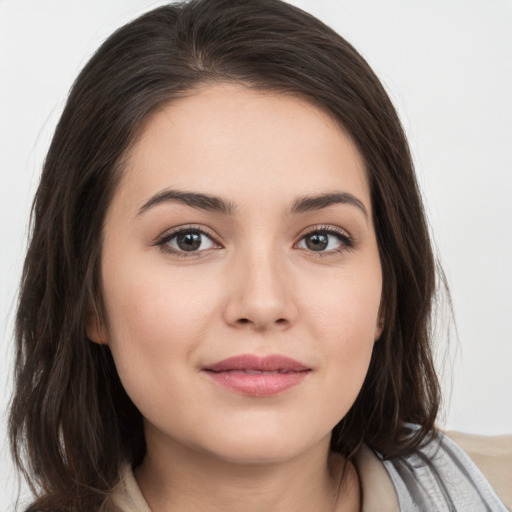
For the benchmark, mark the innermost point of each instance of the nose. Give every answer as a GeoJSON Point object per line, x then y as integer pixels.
{"type": "Point", "coordinates": [261, 293]}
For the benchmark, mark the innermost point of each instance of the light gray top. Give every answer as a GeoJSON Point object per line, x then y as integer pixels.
{"type": "Point", "coordinates": [441, 478]}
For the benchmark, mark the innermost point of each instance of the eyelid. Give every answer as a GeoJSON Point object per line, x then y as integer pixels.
{"type": "Point", "coordinates": [329, 228]}
{"type": "Point", "coordinates": [347, 240]}
{"type": "Point", "coordinates": [168, 235]}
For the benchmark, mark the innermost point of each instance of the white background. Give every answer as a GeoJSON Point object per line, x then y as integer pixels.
{"type": "Point", "coordinates": [447, 65]}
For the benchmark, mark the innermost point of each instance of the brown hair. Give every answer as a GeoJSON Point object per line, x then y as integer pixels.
{"type": "Point", "coordinates": [71, 423]}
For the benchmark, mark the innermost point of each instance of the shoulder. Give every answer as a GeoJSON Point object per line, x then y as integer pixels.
{"type": "Point", "coordinates": [441, 476]}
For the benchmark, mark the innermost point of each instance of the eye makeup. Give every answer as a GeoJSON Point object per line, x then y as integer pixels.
{"type": "Point", "coordinates": [187, 241]}
{"type": "Point", "coordinates": [193, 241]}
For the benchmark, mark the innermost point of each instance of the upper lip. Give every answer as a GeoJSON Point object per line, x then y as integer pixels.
{"type": "Point", "coordinates": [270, 363]}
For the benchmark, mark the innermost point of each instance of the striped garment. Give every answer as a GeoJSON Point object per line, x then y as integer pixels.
{"type": "Point", "coordinates": [441, 477]}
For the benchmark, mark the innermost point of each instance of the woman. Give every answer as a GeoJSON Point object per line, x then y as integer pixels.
{"type": "Point", "coordinates": [226, 299]}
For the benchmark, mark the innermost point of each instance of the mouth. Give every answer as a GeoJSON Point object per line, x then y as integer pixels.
{"type": "Point", "coordinates": [256, 376]}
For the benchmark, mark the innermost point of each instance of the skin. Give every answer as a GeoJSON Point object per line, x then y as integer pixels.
{"type": "Point", "coordinates": [254, 286]}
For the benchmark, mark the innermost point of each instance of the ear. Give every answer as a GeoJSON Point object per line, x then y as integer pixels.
{"type": "Point", "coordinates": [378, 330]}
{"type": "Point", "coordinates": [380, 321]}
{"type": "Point", "coordinates": [95, 329]}
{"type": "Point", "coordinates": [380, 324]}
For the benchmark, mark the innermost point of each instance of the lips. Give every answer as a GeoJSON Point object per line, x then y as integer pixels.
{"type": "Point", "coordinates": [258, 376]}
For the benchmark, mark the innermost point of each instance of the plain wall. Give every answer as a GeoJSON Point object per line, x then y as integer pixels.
{"type": "Point", "coordinates": [448, 68]}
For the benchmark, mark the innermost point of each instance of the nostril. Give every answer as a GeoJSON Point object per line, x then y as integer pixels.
{"type": "Point", "coordinates": [244, 321]}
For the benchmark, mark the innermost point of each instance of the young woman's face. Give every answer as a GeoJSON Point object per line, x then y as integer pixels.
{"type": "Point", "coordinates": [241, 275]}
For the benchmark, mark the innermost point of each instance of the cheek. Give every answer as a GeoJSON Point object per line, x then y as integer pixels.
{"type": "Point", "coordinates": [154, 299]}
{"type": "Point", "coordinates": [344, 320]}
{"type": "Point", "coordinates": [345, 308]}
{"type": "Point", "coordinates": [156, 319]}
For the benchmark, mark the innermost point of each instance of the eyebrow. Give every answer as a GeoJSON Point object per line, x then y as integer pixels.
{"type": "Point", "coordinates": [195, 200]}
{"type": "Point", "coordinates": [211, 203]}
{"type": "Point", "coordinates": [305, 204]}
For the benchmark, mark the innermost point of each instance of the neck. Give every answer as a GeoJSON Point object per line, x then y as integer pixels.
{"type": "Point", "coordinates": [175, 477]}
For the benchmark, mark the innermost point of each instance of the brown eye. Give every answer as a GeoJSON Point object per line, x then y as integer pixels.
{"type": "Point", "coordinates": [326, 241]}
{"type": "Point", "coordinates": [316, 241]}
{"type": "Point", "coordinates": [189, 241]}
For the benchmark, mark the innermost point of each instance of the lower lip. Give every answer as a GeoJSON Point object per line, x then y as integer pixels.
{"type": "Point", "coordinates": [259, 385]}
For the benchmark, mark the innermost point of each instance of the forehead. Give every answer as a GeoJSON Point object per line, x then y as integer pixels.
{"type": "Point", "coordinates": [232, 141]}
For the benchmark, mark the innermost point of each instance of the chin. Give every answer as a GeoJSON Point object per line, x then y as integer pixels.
{"type": "Point", "coordinates": [263, 446]}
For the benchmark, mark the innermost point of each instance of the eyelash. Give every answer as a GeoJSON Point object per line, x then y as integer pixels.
{"type": "Point", "coordinates": [165, 239]}
{"type": "Point", "coordinates": [347, 242]}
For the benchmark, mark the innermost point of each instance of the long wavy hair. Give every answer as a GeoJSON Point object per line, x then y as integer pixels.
{"type": "Point", "coordinates": [72, 426]}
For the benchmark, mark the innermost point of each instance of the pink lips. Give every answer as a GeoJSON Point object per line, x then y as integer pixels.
{"type": "Point", "coordinates": [258, 376]}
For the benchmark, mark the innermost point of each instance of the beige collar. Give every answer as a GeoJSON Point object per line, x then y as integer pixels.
{"type": "Point", "coordinates": [378, 491]}
{"type": "Point", "coordinates": [127, 496]}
